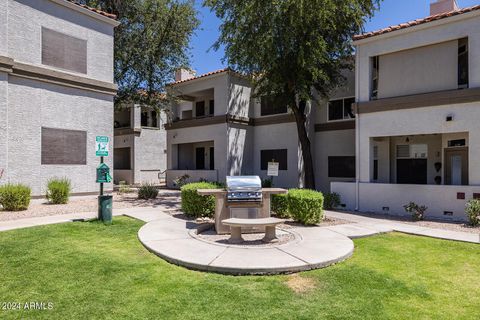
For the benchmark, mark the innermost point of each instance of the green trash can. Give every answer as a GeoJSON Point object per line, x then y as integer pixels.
{"type": "Point", "coordinates": [105, 209]}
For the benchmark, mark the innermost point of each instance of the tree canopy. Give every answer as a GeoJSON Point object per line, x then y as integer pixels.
{"type": "Point", "coordinates": [151, 42]}
{"type": "Point", "coordinates": [291, 46]}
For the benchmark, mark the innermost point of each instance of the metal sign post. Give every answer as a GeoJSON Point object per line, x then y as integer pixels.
{"type": "Point", "coordinates": [103, 176]}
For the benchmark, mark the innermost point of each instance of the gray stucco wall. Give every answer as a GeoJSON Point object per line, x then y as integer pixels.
{"type": "Point", "coordinates": [3, 125]}
{"type": "Point", "coordinates": [3, 26]}
{"type": "Point", "coordinates": [150, 156]}
{"type": "Point", "coordinates": [27, 105]}
{"type": "Point", "coordinates": [26, 19]}
{"type": "Point", "coordinates": [33, 104]}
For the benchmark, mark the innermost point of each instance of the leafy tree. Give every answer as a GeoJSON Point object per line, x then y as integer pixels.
{"type": "Point", "coordinates": [290, 47]}
{"type": "Point", "coordinates": [151, 42]}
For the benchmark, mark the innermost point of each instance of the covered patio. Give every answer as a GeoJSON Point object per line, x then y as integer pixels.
{"type": "Point", "coordinates": [429, 169]}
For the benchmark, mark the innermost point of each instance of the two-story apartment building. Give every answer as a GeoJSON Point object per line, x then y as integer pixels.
{"type": "Point", "coordinates": [56, 91]}
{"type": "Point", "coordinates": [417, 114]}
{"type": "Point", "coordinates": [219, 129]}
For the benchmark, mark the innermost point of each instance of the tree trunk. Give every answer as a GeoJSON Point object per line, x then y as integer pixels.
{"type": "Point", "coordinates": [301, 119]}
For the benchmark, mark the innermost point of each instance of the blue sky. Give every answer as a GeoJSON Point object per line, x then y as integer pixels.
{"type": "Point", "coordinates": [391, 12]}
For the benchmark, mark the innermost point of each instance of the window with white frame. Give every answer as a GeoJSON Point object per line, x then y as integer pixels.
{"type": "Point", "coordinates": [341, 109]}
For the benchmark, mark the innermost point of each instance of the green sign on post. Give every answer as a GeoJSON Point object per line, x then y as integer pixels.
{"type": "Point", "coordinates": [101, 146]}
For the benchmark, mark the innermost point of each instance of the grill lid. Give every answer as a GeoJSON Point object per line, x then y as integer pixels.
{"type": "Point", "coordinates": [238, 183]}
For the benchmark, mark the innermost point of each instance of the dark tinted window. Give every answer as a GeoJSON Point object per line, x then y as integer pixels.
{"type": "Point", "coordinates": [211, 107]}
{"type": "Point", "coordinates": [64, 51]}
{"type": "Point", "coordinates": [341, 167]}
{"type": "Point", "coordinates": [463, 63]}
{"type": "Point", "coordinates": [279, 155]}
{"type": "Point", "coordinates": [200, 108]}
{"type": "Point", "coordinates": [270, 105]}
{"type": "Point", "coordinates": [61, 146]}
{"type": "Point", "coordinates": [335, 110]}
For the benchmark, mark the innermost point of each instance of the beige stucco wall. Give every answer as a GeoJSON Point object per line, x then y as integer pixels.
{"type": "Point", "coordinates": [26, 19]}
{"type": "Point", "coordinates": [441, 31]}
{"type": "Point", "coordinates": [390, 198]}
{"type": "Point", "coordinates": [428, 120]}
{"type": "Point", "coordinates": [219, 84]}
{"type": "Point", "coordinates": [425, 69]}
{"type": "Point", "coordinates": [239, 97]}
{"type": "Point", "coordinates": [278, 136]}
{"type": "Point", "coordinates": [328, 144]}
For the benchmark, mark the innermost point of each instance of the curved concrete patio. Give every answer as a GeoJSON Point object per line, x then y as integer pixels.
{"type": "Point", "coordinates": [314, 247]}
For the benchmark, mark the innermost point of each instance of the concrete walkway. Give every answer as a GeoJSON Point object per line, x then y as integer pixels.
{"type": "Point", "coordinates": [361, 226]}
{"type": "Point", "coordinates": [313, 247]}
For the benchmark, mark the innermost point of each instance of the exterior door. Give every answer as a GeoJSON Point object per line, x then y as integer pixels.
{"type": "Point", "coordinates": [456, 166]}
{"type": "Point", "coordinates": [200, 158]}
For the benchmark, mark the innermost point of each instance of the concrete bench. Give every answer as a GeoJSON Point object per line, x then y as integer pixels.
{"type": "Point", "coordinates": [236, 225]}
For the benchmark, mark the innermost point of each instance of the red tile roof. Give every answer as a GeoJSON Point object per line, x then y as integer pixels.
{"type": "Point", "coordinates": [204, 75]}
{"type": "Point", "coordinates": [103, 13]}
{"type": "Point", "coordinates": [416, 22]}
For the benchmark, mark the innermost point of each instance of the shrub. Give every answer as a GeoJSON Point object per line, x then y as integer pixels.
{"type": "Point", "coordinates": [279, 205]}
{"type": "Point", "coordinates": [331, 200]}
{"type": "Point", "coordinates": [267, 183]}
{"type": "Point", "coordinates": [58, 190]}
{"type": "Point", "coordinates": [305, 206]}
{"type": "Point", "coordinates": [195, 205]}
{"type": "Point", "coordinates": [147, 191]}
{"type": "Point", "coordinates": [124, 188]}
{"type": "Point", "coordinates": [417, 212]}
{"type": "Point", "coordinates": [15, 197]}
{"type": "Point", "coordinates": [472, 209]}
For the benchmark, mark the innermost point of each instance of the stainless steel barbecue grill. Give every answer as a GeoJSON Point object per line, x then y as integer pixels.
{"type": "Point", "coordinates": [244, 189]}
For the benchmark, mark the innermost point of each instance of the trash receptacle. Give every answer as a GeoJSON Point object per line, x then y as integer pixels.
{"type": "Point", "coordinates": [105, 209]}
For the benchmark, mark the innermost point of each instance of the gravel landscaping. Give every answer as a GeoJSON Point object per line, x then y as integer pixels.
{"type": "Point", "coordinates": [428, 223]}
{"type": "Point", "coordinates": [41, 208]}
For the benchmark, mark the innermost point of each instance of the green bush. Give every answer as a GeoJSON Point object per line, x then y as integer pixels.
{"type": "Point", "coordinates": [472, 209]}
{"type": "Point", "coordinates": [417, 212]}
{"type": "Point", "coordinates": [147, 191]}
{"type": "Point", "coordinates": [195, 205]}
{"type": "Point", "coordinates": [15, 197]}
{"type": "Point", "coordinates": [331, 200]}
{"type": "Point", "coordinates": [58, 190]}
{"type": "Point", "coordinates": [305, 206]}
{"type": "Point", "coordinates": [279, 205]}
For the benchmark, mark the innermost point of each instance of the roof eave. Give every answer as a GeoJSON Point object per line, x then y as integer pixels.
{"type": "Point", "coordinates": [423, 26]}
{"type": "Point", "coordinates": [87, 12]}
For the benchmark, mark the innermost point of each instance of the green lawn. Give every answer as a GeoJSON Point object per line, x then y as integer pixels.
{"type": "Point", "coordinates": [91, 271]}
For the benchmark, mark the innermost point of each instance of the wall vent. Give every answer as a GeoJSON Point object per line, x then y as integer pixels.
{"type": "Point", "coordinates": [403, 151]}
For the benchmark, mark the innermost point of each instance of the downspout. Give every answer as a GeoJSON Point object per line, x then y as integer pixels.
{"type": "Point", "coordinates": [357, 132]}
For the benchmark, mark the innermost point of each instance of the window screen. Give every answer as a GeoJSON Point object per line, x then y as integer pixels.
{"type": "Point", "coordinates": [270, 105]}
{"type": "Point", "coordinates": [279, 155]}
{"type": "Point", "coordinates": [61, 146]}
{"type": "Point", "coordinates": [341, 167]}
{"type": "Point", "coordinates": [64, 51]}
